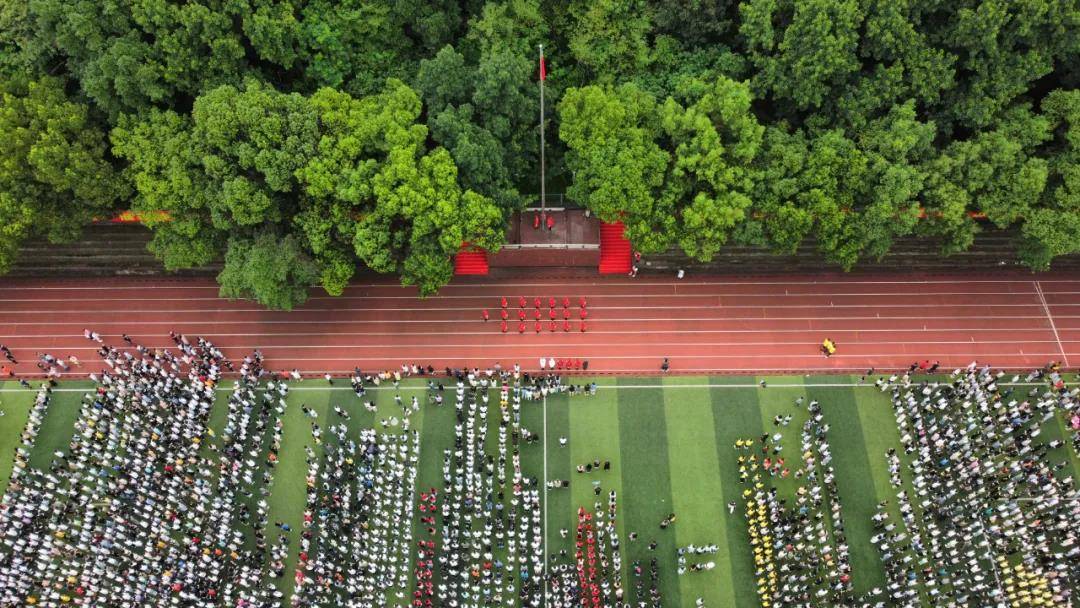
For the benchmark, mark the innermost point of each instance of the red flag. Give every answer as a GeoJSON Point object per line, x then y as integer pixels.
{"type": "Point", "coordinates": [543, 70]}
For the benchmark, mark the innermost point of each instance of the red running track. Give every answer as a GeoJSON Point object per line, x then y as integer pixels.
{"type": "Point", "coordinates": [705, 325]}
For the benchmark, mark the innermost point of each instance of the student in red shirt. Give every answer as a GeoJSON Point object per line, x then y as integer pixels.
{"type": "Point", "coordinates": [583, 327]}
{"type": "Point", "coordinates": [521, 315]}
{"type": "Point", "coordinates": [550, 222]}
{"type": "Point", "coordinates": [504, 326]}
{"type": "Point", "coordinates": [584, 313]}
{"type": "Point", "coordinates": [486, 315]}
{"type": "Point", "coordinates": [566, 326]}
{"type": "Point", "coordinates": [505, 315]}
{"type": "Point", "coordinates": [537, 303]}
{"type": "Point", "coordinates": [503, 302]}
{"type": "Point", "coordinates": [522, 301]}
{"type": "Point", "coordinates": [551, 302]}
{"type": "Point", "coordinates": [539, 327]}
{"type": "Point", "coordinates": [537, 314]}
{"type": "Point", "coordinates": [521, 327]}
{"type": "Point", "coordinates": [551, 314]}
{"type": "Point", "coordinates": [566, 302]}
{"type": "Point", "coordinates": [582, 302]}
{"type": "Point", "coordinates": [554, 325]}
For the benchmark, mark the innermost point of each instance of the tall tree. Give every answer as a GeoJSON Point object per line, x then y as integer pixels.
{"type": "Point", "coordinates": [617, 166]}
{"type": "Point", "coordinates": [55, 175]}
{"type": "Point", "coordinates": [609, 38]}
{"type": "Point", "coordinates": [375, 192]}
{"type": "Point", "coordinates": [481, 100]}
{"type": "Point", "coordinates": [672, 174]}
{"type": "Point", "coordinates": [339, 180]}
{"type": "Point", "coordinates": [1053, 229]}
{"type": "Point", "coordinates": [716, 140]}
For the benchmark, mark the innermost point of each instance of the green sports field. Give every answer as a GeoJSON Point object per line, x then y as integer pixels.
{"type": "Point", "coordinates": [670, 441]}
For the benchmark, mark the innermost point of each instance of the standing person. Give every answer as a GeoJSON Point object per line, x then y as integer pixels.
{"type": "Point", "coordinates": [585, 365]}
{"type": "Point", "coordinates": [633, 271]}
{"type": "Point", "coordinates": [680, 274]}
{"type": "Point", "coordinates": [485, 315]}
{"type": "Point", "coordinates": [665, 366]}
{"type": "Point", "coordinates": [503, 326]}
{"type": "Point", "coordinates": [503, 302]}
{"type": "Point", "coordinates": [543, 363]}
{"type": "Point", "coordinates": [550, 222]}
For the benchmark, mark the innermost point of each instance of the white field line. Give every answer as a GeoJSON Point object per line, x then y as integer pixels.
{"type": "Point", "coordinates": [602, 357]}
{"type": "Point", "coordinates": [545, 552]}
{"type": "Point", "coordinates": [336, 388]}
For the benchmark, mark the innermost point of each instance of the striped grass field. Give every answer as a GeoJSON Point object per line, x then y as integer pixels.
{"type": "Point", "coordinates": [670, 441]}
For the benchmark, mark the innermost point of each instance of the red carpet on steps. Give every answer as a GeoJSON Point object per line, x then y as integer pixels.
{"type": "Point", "coordinates": [470, 262]}
{"type": "Point", "coordinates": [614, 249]}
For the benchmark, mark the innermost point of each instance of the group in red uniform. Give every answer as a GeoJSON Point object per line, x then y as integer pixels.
{"type": "Point", "coordinates": [553, 314]}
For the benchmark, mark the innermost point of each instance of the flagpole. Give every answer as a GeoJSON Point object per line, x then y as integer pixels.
{"type": "Point", "coordinates": [543, 198]}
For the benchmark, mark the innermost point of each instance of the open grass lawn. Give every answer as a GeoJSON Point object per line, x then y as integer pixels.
{"type": "Point", "coordinates": [670, 441]}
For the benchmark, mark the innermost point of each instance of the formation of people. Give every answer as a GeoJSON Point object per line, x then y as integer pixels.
{"type": "Point", "coordinates": [555, 319]}
{"type": "Point", "coordinates": [985, 506]}
{"type": "Point", "coordinates": [151, 503]}
{"type": "Point", "coordinates": [985, 510]}
{"type": "Point", "coordinates": [146, 506]}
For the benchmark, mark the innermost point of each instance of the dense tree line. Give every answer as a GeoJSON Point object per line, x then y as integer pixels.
{"type": "Point", "coordinates": [298, 139]}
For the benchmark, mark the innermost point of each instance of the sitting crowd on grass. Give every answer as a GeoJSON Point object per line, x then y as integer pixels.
{"type": "Point", "coordinates": [985, 511]}
{"type": "Point", "coordinates": [163, 498]}
{"type": "Point", "coordinates": [143, 508]}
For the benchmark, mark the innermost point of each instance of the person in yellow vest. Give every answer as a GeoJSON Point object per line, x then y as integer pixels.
{"type": "Point", "coordinates": [828, 347]}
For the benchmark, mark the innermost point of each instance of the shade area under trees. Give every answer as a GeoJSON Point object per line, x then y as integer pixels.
{"type": "Point", "coordinates": [298, 140]}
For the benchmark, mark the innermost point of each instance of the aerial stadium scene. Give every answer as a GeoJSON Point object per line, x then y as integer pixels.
{"type": "Point", "coordinates": [572, 304]}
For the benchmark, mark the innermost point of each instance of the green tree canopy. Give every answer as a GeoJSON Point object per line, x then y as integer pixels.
{"type": "Point", "coordinates": [849, 124]}
{"type": "Point", "coordinates": [344, 180]}
{"type": "Point", "coordinates": [54, 173]}
{"type": "Point", "coordinates": [672, 174]}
